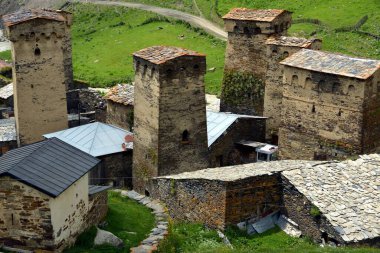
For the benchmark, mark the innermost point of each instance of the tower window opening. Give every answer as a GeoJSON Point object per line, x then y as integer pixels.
{"type": "Point", "coordinates": [313, 109]}
{"type": "Point", "coordinates": [37, 51]}
{"type": "Point", "coordinates": [185, 136]}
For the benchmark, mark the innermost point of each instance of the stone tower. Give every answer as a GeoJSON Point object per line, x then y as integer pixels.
{"type": "Point", "coordinates": [41, 53]}
{"type": "Point", "coordinates": [170, 131]}
{"type": "Point", "coordinates": [330, 106]}
{"type": "Point", "coordinates": [279, 48]}
{"type": "Point", "coordinates": [246, 62]}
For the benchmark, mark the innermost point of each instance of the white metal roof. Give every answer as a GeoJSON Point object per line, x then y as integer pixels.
{"type": "Point", "coordinates": [96, 139]}
{"type": "Point", "coordinates": [219, 122]}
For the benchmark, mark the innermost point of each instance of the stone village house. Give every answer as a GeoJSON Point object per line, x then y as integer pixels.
{"type": "Point", "coordinates": [46, 200]}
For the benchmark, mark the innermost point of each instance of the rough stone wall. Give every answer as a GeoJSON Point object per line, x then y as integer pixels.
{"type": "Point", "coordinates": [252, 198]}
{"type": "Point", "coordinates": [38, 49]}
{"type": "Point", "coordinates": [246, 64]}
{"type": "Point", "coordinates": [225, 148]}
{"type": "Point", "coordinates": [322, 116]}
{"type": "Point", "coordinates": [5, 146]}
{"type": "Point", "coordinates": [371, 125]}
{"type": "Point", "coordinates": [274, 85]}
{"type": "Point", "coordinates": [200, 201]}
{"type": "Point", "coordinates": [84, 99]}
{"type": "Point", "coordinates": [25, 217]}
{"type": "Point", "coordinates": [120, 115]}
{"type": "Point", "coordinates": [97, 208]}
{"type": "Point", "coordinates": [170, 134]}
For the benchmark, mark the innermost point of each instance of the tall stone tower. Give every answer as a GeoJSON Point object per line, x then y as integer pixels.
{"type": "Point", "coordinates": [41, 53]}
{"type": "Point", "coordinates": [246, 57]}
{"type": "Point", "coordinates": [170, 132]}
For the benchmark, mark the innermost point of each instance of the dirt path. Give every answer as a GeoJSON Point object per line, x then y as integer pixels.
{"type": "Point", "coordinates": [192, 19]}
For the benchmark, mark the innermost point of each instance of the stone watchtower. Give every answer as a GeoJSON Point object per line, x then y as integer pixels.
{"type": "Point", "coordinates": [170, 132]}
{"type": "Point", "coordinates": [246, 62]}
{"type": "Point", "coordinates": [41, 53]}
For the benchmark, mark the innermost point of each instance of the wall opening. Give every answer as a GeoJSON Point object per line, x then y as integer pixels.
{"type": "Point", "coordinates": [257, 30]}
{"type": "Point", "coordinates": [185, 136]}
{"type": "Point", "coordinates": [313, 109]}
{"type": "Point", "coordinates": [246, 30]}
{"type": "Point", "coordinates": [309, 83]}
{"type": "Point", "coordinates": [351, 89]}
{"type": "Point", "coordinates": [340, 112]}
{"type": "Point", "coordinates": [147, 193]}
{"type": "Point", "coordinates": [294, 80]}
{"type": "Point", "coordinates": [336, 87]}
{"type": "Point", "coordinates": [321, 85]}
{"type": "Point", "coordinates": [37, 51]}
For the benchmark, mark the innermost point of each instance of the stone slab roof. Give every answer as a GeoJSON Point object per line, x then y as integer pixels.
{"type": "Point", "coordinates": [332, 63]}
{"type": "Point", "coordinates": [122, 94]}
{"type": "Point", "coordinates": [239, 172]}
{"type": "Point", "coordinates": [8, 130]}
{"type": "Point", "coordinates": [290, 41]}
{"type": "Point", "coordinates": [6, 91]}
{"type": "Point", "coordinates": [161, 54]}
{"type": "Point", "coordinates": [346, 193]}
{"type": "Point", "coordinates": [254, 14]}
{"type": "Point", "coordinates": [27, 15]}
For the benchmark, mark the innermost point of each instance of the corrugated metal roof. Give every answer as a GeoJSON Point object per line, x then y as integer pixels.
{"type": "Point", "coordinates": [335, 64]}
{"type": "Point", "coordinates": [219, 122]}
{"type": "Point", "coordinates": [161, 54]}
{"type": "Point", "coordinates": [26, 15]}
{"type": "Point", "coordinates": [93, 189]}
{"type": "Point", "coordinates": [50, 166]}
{"type": "Point", "coordinates": [96, 139]}
{"type": "Point", "coordinates": [7, 130]}
{"type": "Point", "coordinates": [6, 91]}
{"type": "Point", "coordinates": [254, 14]}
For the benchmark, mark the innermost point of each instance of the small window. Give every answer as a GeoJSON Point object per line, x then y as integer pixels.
{"type": "Point", "coordinates": [313, 109]}
{"type": "Point", "coordinates": [185, 136]}
{"type": "Point", "coordinates": [236, 28]}
{"type": "Point", "coordinates": [147, 193]}
{"type": "Point", "coordinates": [246, 30]}
{"type": "Point", "coordinates": [37, 51]}
{"type": "Point", "coordinates": [294, 80]}
{"type": "Point", "coordinates": [340, 112]}
{"type": "Point", "coordinates": [309, 83]}
{"type": "Point", "coordinates": [196, 66]}
{"type": "Point", "coordinates": [351, 90]}
{"type": "Point", "coordinates": [336, 87]}
{"type": "Point", "coordinates": [285, 55]}
{"type": "Point", "coordinates": [257, 30]}
{"type": "Point", "coordinates": [321, 85]}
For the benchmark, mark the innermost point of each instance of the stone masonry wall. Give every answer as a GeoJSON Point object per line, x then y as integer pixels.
{"type": "Point", "coordinates": [25, 217]}
{"type": "Point", "coordinates": [97, 208]}
{"type": "Point", "coordinates": [322, 116]}
{"type": "Point", "coordinates": [201, 201]}
{"type": "Point", "coordinates": [118, 169]}
{"type": "Point", "coordinates": [39, 53]}
{"type": "Point", "coordinates": [120, 115]}
{"type": "Point", "coordinates": [225, 148]}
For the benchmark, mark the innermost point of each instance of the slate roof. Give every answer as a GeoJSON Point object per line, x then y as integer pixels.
{"type": "Point", "coordinates": [122, 94]}
{"type": "Point", "coordinates": [50, 166]}
{"type": "Point", "coordinates": [290, 41]}
{"type": "Point", "coordinates": [161, 54]}
{"type": "Point", "coordinates": [253, 14]}
{"type": "Point", "coordinates": [26, 15]}
{"type": "Point", "coordinates": [8, 130]}
{"type": "Point", "coordinates": [96, 139]}
{"type": "Point", "coordinates": [219, 122]}
{"type": "Point", "coordinates": [6, 91]}
{"type": "Point", "coordinates": [346, 193]}
{"type": "Point", "coordinates": [332, 63]}
{"type": "Point", "coordinates": [93, 189]}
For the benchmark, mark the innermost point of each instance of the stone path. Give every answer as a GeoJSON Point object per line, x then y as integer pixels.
{"type": "Point", "coordinates": [158, 233]}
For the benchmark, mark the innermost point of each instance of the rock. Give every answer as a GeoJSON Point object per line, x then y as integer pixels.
{"type": "Point", "coordinates": [211, 69]}
{"type": "Point", "coordinates": [107, 238]}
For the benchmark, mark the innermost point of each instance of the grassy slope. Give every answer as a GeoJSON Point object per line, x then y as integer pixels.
{"type": "Point", "coordinates": [194, 238]}
{"type": "Point", "coordinates": [126, 218]}
{"type": "Point", "coordinates": [182, 5]}
{"type": "Point", "coordinates": [6, 55]}
{"type": "Point", "coordinates": [102, 49]}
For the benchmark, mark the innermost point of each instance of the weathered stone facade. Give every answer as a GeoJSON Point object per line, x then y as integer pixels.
{"type": "Point", "coordinates": [170, 134]}
{"type": "Point", "coordinates": [41, 66]}
{"type": "Point", "coordinates": [279, 48]}
{"type": "Point", "coordinates": [97, 208]}
{"type": "Point", "coordinates": [246, 57]}
{"type": "Point", "coordinates": [328, 115]}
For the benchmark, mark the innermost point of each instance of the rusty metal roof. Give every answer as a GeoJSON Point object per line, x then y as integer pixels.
{"type": "Point", "coordinates": [26, 15]}
{"type": "Point", "coordinates": [290, 41]}
{"type": "Point", "coordinates": [253, 14]}
{"type": "Point", "coordinates": [161, 54]}
{"type": "Point", "coordinates": [335, 64]}
{"type": "Point", "coordinates": [121, 94]}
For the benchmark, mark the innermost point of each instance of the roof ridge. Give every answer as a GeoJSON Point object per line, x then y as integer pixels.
{"type": "Point", "coordinates": [96, 132]}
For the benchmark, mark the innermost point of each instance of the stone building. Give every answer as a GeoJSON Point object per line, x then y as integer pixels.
{"type": "Point", "coordinates": [46, 199]}
{"type": "Point", "coordinates": [246, 57]}
{"type": "Point", "coordinates": [279, 48]}
{"type": "Point", "coordinates": [8, 138]}
{"type": "Point", "coordinates": [112, 145]}
{"type": "Point", "coordinates": [120, 105]}
{"type": "Point", "coordinates": [330, 106]}
{"type": "Point", "coordinates": [41, 64]}
{"type": "Point", "coordinates": [170, 134]}
{"type": "Point", "coordinates": [6, 101]}
{"type": "Point", "coordinates": [327, 201]}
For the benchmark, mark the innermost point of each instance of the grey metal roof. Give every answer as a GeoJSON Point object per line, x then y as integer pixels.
{"type": "Point", "coordinates": [6, 91]}
{"type": "Point", "coordinates": [7, 130]}
{"type": "Point", "coordinates": [219, 122]}
{"type": "Point", "coordinates": [96, 139]}
{"type": "Point", "coordinates": [332, 63]}
{"type": "Point", "coordinates": [50, 166]}
{"type": "Point", "coordinates": [93, 189]}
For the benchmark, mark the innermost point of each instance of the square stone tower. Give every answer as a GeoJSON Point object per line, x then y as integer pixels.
{"type": "Point", "coordinates": [330, 107]}
{"type": "Point", "coordinates": [41, 53]}
{"type": "Point", "coordinates": [279, 48]}
{"type": "Point", "coordinates": [170, 129]}
{"type": "Point", "coordinates": [246, 57]}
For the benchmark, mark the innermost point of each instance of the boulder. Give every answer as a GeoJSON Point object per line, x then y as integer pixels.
{"type": "Point", "coordinates": [107, 238]}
